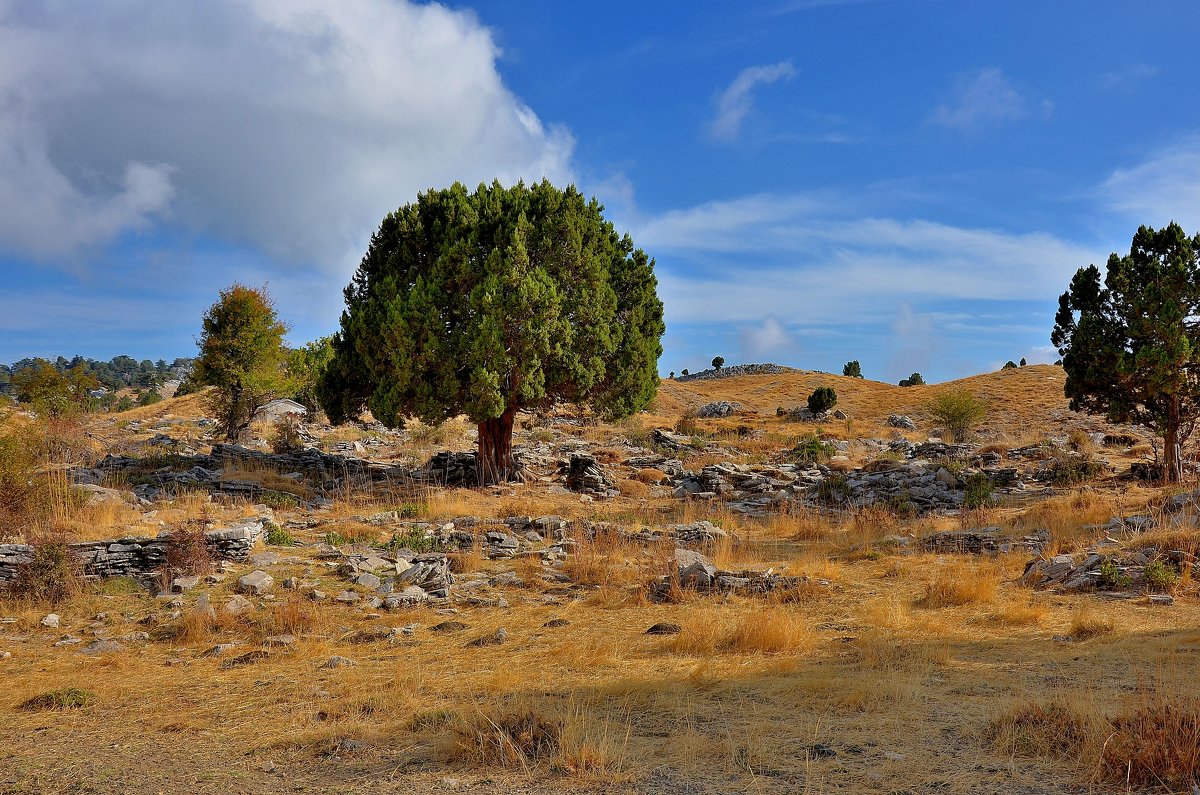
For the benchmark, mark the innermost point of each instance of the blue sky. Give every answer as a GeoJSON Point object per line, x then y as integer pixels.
{"type": "Point", "coordinates": [910, 183]}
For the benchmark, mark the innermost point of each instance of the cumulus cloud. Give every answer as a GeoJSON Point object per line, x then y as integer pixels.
{"type": "Point", "coordinates": [762, 340]}
{"type": "Point", "coordinates": [290, 126]}
{"type": "Point", "coordinates": [737, 100]}
{"type": "Point", "coordinates": [983, 98]}
{"type": "Point", "coordinates": [1162, 188]}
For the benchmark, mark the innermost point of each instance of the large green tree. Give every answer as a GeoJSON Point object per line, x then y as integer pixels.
{"type": "Point", "coordinates": [1131, 344]}
{"type": "Point", "coordinates": [488, 302]}
{"type": "Point", "coordinates": [242, 355]}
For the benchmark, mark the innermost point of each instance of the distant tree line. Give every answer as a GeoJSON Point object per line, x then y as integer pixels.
{"type": "Point", "coordinates": [117, 373]}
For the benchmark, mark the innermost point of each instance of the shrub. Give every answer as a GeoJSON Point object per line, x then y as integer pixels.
{"type": "Point", "coordinates": [1160, 576]}
{"type": "Point", "coordinates": [959, 411]}
{"type": "Point", "coordinates": [285, 435]}
{"type": "Point", "coordinates": [684, 371]}
{"type": "Point", "coordinates": [1023, 362]}
{"type": "Point", "coordinates": [811, 450]}
{"type": "Point", "coordinates": [53, 574]}
{"type": "Point", "coordinates": [852, 369]}
{"type": "Point", "coordinates": [149, 398]}
{"type": "Point", "coordinates": [978, 491]}
{"type": "Point", "coordinates": [279, 537]}
{"type": "Point", "coordinates": [1111, 576]}
{"type": "Point", "coordinates": [1009, 365]}
{"type": "Point", "coordinates": [125, 403]}
{"type": "Point", "coordinates": [416, 540]}
{"type": "Point", "coordinates": [822, 400]}
{"type": "Point", "coordinates": [1080, 441]}
{"type": "Point", "coordinates": [913, 380]}
{"type": "Point", "coordinates": [187, 552]}
{"type": "Point", "coordinates": [1156, 745]}
{"type": "Point", "coordinates": [718, 362]}
{"type": "Point", "coordinates": [1071, 470]}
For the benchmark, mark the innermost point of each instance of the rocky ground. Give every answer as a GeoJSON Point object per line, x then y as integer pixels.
{"type": "Point", "coordinates": [697, 600]}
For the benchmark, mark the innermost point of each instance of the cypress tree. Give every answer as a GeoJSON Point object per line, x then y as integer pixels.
{"type": "Point", "coordinates": [1130, 346]}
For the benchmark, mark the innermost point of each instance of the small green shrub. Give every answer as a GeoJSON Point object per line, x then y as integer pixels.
{"type": "Point", "coordinates": [811, 450]}
{"type": "Point", "coordinates": [1071, 470]}
{"type": "Point", "coordinates": [959, 411]}
{"type": "Point", "coordinates": [822, 400]}
{"type": "Point", "coordinates": [1160, 576]}
{"type": "Point", "coordinates": [416, 540]}
{"type": "Point", "coordinates": [978, 491]}
{"type": "Point", "coordinates": [279, 500]}
{"type": "Point", "coordinates": [61, 699]}
{"type": "Point", "coordinates": [1112, 577]}
{"type": "Point", "coordinates": [852, 369]}
{"type": "Point", "coordinates": [334, 539]}
{"type": "Point", "coordinates": [279, 537]}
{"type": "Point", "coordinates": [833, 489]}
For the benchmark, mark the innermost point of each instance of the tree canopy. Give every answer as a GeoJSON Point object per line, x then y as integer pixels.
{"type": "Point", "coordinates": [487, 302]}
{"type": "Point", "coordinates": [852, 369]}
{"type": "Point", "coordinates": [242, 355]}
{"type": "Point", "coordinates": [913, 380]}
{"type": "Point", "coordinates": [1130, 344]}
{"type": "Point", "coordinates": [718, 362]}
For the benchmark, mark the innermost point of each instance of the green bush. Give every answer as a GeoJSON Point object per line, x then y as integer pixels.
{"type": "Point", "coordinates": [278, 537]}
{"type": "Point", "coordinates": [959, 411]}
{"type": "Point", "coordinates": [1111, 576]}
{"type": "Point", "coordinates": [822, 400]}
{"type": "Point", "coordinates": [978, 491]}
{"type": "Point", "coordinates": [852, 369]}
{"type": "Point", "coordinates": [1160, 576]}
{"type": "Point", "coordinates": [1071, 470]}
{"type": "Point", "coordinates": [1009, 365]}
{"type": "Point", "coordinates": [811, 450]}
{"type": "Point", "coordinates": [416, 540]}
{"type": "Point", "coordinates": [913, 380]}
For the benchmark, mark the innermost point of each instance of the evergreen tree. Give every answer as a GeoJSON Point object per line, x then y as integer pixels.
{"type": "Point", "coordinates": [718, 362]}
{"type": "Point", "coordinates": [1131, 346]}
{"type": "Point", "coordinates": [822, 400]}
{"type": "Point", "coordinates": [1009, 365]}
{"type": "Point", "coordinates": [242, 355]}
{"type": "Point", "coordinates": [913, 380]}
{"type": "Point", "coordinates": [852, 369]}
{"type": "Point", "coordinates": [488, 302]}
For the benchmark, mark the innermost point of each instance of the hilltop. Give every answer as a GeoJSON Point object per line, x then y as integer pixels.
{"type": "Point", "coordinates": [756, 602]}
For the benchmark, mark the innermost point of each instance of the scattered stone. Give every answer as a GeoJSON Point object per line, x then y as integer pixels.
{"type": "Point", "coordinates": [901, 421]}
{"type": "Point", "coordinates": [99, 647]}
{"type": "Point", "coordinates": [184, 584]}
{"type": "Point", "coordinates": [337, 661]}
{"type": "Point", "coordinates": [1162, 599]}
{"type": "Point", "coordinates": [555, 623]}
{"type": "Point", "coordinates": [721, 408]}
{"type": "Point", "coordinates": [238, 605]}
{"type": "Point", "coordinates": [51, 621]}
{"type": "Point", "coordinates": [248, 658]}
{"type": "Point", "coordinates": [495, 639]}
{"type": "Point", "coordinates": [448, 626]}
{"type": "Point", "coordinates": [257, 583]}
{"type": "Point", "coordinates": [664, 628]}
{"type": "Point", "coordinates": [280, 641]}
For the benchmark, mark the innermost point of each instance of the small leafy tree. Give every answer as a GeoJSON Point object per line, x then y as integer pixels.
{"type": "Point", "coordinates": [305, 366]}
{"type": "Point", "coordinates": [149, 398]}
{"type": "Point", "coordinates": [242, 355]}
{"type": "Point", "coordinates": [852, 369]}
{"type": "Point", "coordinates": [1131, 345]}
{"type": "Point", "coordinates": [488, 302]}
{"type": "Point", "coordinates": [1009, 365]}
{"type": "Point", "coordinates": [822, 400]}
{"type": "Point", "coordinates": [1023, 362]}
{"type": "Point", "coordinates": [54, 392]}
{"type": "Point", "coordinates": [672, 374]}
{"type": "Point", "coordinates": [960, 411]}
{"type": "Point", "coordinates": [913, 380]}
{"type": "Point", "coordinates": [684, 371]}
{"type": "Point", "coordinates": [718, 362]}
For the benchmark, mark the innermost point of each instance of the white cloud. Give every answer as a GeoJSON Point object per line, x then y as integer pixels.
{"type": "Point", "coordinates": [1162, 188]}
{"type": "Point", "coordinates": [983, 99]}
{"type": "Point", "coordinates": [1130, 75]}
{"type": "Point", "coordinates": [290, 126]}
{"type": "Point", "coordinates": [737, 100]}
{"type": "Point", "coordinates": [763, 340]}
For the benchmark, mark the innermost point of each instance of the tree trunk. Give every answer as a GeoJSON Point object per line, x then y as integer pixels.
{"type": "Point", "coordinates": [1172, 454]}
{"type": "Point", "coordinates": [494, 461]}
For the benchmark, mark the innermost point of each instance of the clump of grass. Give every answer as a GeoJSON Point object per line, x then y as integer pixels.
{"type": "Point", "coordinates": [1021, 613]}
{"type": "Point", "coordinates": [1087, 623]}
{"type": "Point", "coordinates": [522, 738]}
{"type": "Point", "coordinates": [811, 450]}
{"type": "Point", "coordinates": [1051, 729]}
{"type": "Point", "coordinates": [773, 631]}
{"type": "Point", "coordinates": [960, 584]}
{"type": "Point", "coordinates": [416, 540]}
{"type": "Point", "coordinates": [58, 700]}
{"type": "Point", "coordinates": [1157, 744]}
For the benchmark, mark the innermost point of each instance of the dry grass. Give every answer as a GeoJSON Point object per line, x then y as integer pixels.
{"type": "Point", "coordinates": [1087, 621]}
{"type": "Point", "coordinates": [961, 584]}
